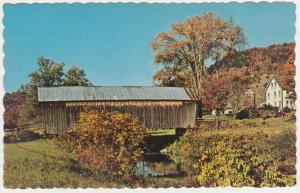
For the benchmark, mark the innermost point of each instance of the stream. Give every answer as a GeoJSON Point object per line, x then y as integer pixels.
{"type": "Point", "coordinates": [156, 163]}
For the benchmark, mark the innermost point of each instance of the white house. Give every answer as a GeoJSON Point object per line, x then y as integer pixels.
{"type": "Point", "coordinates": [277, 96]}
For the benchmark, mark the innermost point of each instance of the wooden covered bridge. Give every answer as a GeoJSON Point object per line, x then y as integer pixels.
{"type": "Point", "coordinates": [157, 107]}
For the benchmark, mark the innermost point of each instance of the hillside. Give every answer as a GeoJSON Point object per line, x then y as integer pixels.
{"type": "Point", "coordinates": [259, 59]}
{"type": "Point", "coordinates": [261, 64]}
{"type": "Point", "coordinates": [259, 87]}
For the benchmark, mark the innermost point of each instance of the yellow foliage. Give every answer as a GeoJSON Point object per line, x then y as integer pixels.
{"type": "Point", "coordinates": [107, 142]}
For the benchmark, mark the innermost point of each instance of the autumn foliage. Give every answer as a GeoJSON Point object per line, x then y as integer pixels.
{"type": "Point", "coordinates": [259, 60]}
{"type": "Point", "coordinates": [215, 92]}
{"type": "Point", "coordinates": [190, 43]}
{"type": "Point", "coordinates": [185, 49]}
{"type": "Point", "coordinates": [14, 106]}
{"type": "Point", "coordinates": [237, 160]}
{"type": "Point", "coordinates": [289, 73]}
{"type": "Point", "coordinates": [106, 142]}
{"type": "Point", "coordinates": [240, 156]}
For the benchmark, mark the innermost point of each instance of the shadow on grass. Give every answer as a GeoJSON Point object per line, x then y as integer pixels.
{"type": "Point", "coordinates": [22, 136]}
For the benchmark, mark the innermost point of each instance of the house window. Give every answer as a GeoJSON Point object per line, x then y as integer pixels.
{"type": "Point", "coordinates": [268, 95]}
{"type": "Point", "coordinates": [275, 95]}
{"type": "Point", "coordinates": [275, 103]}
{"type": "Point", "coordinates": [275, 84]}
{"type": "Point", "coordinates": [287, 103]}
{"type": "Point", "coordinates": [279, 93]}
{"type": "Point", "coordinates": [271, 85]}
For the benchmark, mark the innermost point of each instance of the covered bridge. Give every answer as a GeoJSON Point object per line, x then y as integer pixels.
{"type": "Point", "coordinates": [156, 107]}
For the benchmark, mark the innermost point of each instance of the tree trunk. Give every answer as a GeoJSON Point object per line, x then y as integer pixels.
{"type": "Point", "coordinates": [199, 111]}
{"type": "Point", "coordinates": [217, 120]}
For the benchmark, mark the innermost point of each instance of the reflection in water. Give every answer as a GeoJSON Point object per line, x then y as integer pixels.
{"type": "Point", "coordinates": [142, 169]}
{"type": "Point", "coordinates": [156, 164]}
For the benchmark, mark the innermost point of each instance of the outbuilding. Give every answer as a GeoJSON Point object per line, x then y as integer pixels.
{"type": "Point", "coordinates": [156, 107]}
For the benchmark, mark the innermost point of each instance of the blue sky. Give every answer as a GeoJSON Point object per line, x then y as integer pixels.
{"type": "Point", "coordinates": [111, 41]}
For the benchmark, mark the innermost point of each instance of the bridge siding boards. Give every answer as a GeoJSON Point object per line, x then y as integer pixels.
{"type": "Point", "coordinates": [57, 118]}
{"type": "Point", "coordinates": [172, 110]}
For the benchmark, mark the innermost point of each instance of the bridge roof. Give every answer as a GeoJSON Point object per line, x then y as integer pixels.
{"type": "Point", "coordinates": [112, 93]}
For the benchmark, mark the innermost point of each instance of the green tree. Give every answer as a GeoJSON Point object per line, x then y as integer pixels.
{"type": "Point", "coordinates": [191, 44]}
{"type": "Point", "coordinates": [75, 77]}
{"type": "Point", "coordinates": [48, 74]}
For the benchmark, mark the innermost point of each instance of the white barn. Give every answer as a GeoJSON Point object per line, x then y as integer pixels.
{"type": "Point", "coordinates": [277, 96]}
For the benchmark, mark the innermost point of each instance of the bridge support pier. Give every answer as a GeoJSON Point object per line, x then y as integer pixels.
{"type": "Point", "coordinates": [180, 131]}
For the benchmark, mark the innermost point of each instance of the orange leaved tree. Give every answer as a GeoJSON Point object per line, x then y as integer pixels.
{"type": "Point", "coordinates": [215, 92]}
{"type": "Point", "coordinates": [189, 46]}
{"type": "Point", "coordinates": [107, 142]}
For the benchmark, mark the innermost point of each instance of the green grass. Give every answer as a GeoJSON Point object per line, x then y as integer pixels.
{"type": "Point", "coordinates": [161, 132]}
{"type": "Point", "coordinates": [42, 164]}
{"type": "Point", "coordinates": [222, 117]}
{"type": "Point", "coordinates": [271, 126]}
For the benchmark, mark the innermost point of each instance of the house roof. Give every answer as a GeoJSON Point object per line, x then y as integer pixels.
{"type": "Point", "coordinates": [112, 93]}
{"type": "Point", "coordinates": [277, 80]}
